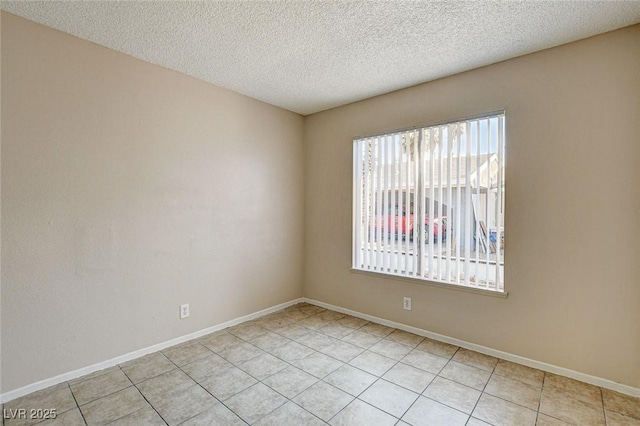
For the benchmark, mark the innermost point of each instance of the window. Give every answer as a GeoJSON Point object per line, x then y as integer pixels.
{"type": "Point", "coordinates": [428, 203]}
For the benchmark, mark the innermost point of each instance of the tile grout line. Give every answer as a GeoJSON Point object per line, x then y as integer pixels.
{"type": "Point", "coordinates": [538, 412]}
{"type": "Point", "coordinates": [604, 411]}
{"type": "Point", "coordinates": [442, 377]}
{"type": "Point", "coordinates": [202, 387]}
{"type": "Point", "coordinates": [482, 391]}
{"type": "Point", "coordinates": [142, 395]}
{"type": "Point", "coordinates": [446, 405]}
{"type": "Point", "coordinates": [77, 405]}
{"type": "Point", "coordinates": [389, 369]}
{"type": "Point", "coordinates": [140, 392]}
{"type": "Point", "coordinates": [105, 395]}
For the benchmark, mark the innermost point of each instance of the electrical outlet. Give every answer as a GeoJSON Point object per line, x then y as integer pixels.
{"type": "Point", "coordinates": [184, 311]}
{"type": "Point", "coordinates": [407, 304]}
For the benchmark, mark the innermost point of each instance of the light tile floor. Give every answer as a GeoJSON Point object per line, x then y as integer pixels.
{"type": "Point", "coordinates": [306, 365]}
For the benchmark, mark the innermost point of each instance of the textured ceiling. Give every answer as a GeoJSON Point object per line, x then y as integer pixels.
{"type": "Point", "coordinates": [307, 56]}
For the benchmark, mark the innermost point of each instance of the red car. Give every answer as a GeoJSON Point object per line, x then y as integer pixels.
{"type": "Point", "coordinates": [404, 225]}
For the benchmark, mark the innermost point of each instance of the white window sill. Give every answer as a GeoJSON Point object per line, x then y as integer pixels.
{"type": "Point", "coordinates": [448, 286]}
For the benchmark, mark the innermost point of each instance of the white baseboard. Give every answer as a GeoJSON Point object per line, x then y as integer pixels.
{"type": "Point", "coordinates": [42, 384]}
{"type": "Point", "coordinates": [598, 381]}
{"type": "Point", "coordinates": [604, 383]}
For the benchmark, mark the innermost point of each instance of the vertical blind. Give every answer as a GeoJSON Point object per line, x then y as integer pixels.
{"type": "Point", "coordinates": [428, 203]}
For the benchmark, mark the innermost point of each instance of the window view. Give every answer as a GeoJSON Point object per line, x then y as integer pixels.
{"type": "Point", "coordinates": [429, 203]}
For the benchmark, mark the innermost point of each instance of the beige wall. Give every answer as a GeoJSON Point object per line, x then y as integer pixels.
{"type": "Point", "coordinates": [128, 189]}
{"type": "Point", "coordinates": [572, 207]}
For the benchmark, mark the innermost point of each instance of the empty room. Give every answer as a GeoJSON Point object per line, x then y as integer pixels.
{"type": "Point", "coordinates": [320, 212]}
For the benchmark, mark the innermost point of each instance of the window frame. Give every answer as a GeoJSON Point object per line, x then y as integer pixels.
{"type": "Point", "coordinates": [498, 288]}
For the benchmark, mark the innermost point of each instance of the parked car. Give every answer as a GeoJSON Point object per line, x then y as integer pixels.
{"type": "Point", "coordinates": [439, 227]}
{"type": "Point", "coordinates": [404, 225]}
